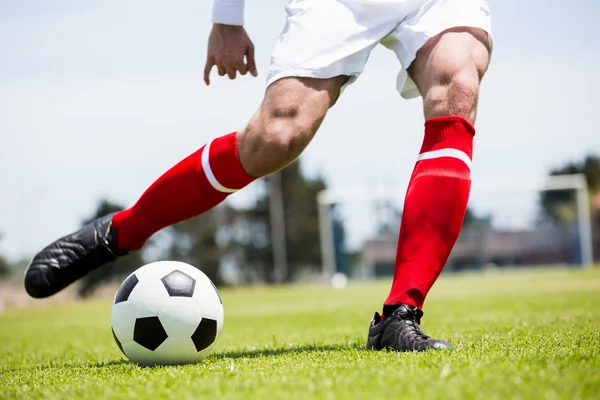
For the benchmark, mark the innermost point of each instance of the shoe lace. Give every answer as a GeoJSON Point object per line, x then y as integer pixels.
{"type": "Point", "coordinates": [411, 317]}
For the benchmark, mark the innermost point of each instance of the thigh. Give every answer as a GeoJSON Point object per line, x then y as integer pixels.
{"type": "Point", "coordinates": [328, 38]}
{"type": "Point", "coordinates": [414, 39]}
{"type": "Point", "coordinates": [301, 96]}
{"type": "Point", "coordinates": [286, 122]}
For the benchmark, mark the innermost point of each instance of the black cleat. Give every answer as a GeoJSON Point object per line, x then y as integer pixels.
{"type": "Point", "coordinates": [72, 257]}
{"type": "Point", "coordinates": [400, 330]}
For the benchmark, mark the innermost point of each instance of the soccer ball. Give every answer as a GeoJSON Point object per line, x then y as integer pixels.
{"type": "Point", "coordinates": [167, 313]}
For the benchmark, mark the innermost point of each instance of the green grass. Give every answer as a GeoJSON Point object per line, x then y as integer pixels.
{"type": "Point", "coordinates": [518, 335]}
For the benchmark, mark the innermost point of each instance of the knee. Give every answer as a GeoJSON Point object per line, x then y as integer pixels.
{"type": "Point", "coordinates": [275, 137]}
{"type": "Point", "coordinates": [450, 72]}
{"type": "Point", "coordinates": [454, 92]}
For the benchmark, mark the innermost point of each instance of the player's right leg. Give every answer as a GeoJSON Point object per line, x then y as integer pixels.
{"type": "Point", "coordinates": [284, 124]}
{"type": "Point", "coordinates": [311, 63]}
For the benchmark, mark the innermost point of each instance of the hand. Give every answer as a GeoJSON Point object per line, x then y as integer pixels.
{"type": "Point", "coordinates": [227, 46]}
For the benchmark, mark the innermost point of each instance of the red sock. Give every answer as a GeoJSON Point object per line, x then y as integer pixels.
{"type": "Point", "coordinates": [195, 185]}
{"type": "Point", "coordinates": [434, 208]}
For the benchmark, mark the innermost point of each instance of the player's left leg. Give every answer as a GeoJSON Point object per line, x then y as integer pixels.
{"type": "Point", "coordinates": [311, 63]}
{"type": "Point", "coordinates": [447, 71]}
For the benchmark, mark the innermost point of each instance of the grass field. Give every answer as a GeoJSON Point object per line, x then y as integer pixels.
{"type": "Point", "coordinates": [518, 335]}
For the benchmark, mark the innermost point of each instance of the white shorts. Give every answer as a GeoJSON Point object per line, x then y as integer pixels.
{"type": "Point", "coordinates": [327, 38]}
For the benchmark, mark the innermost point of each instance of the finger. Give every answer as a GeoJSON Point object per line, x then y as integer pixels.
{"type": "Point", "coordinates": [207, 68]}
{"type": "Point", "coordinates": [241, 67]}
{"type": "Point", "coordinates": [231, 72]}
{"type": "Point", "coordinates": [221, 69]}
{"type": "Point", "coordinates": [250, 62]}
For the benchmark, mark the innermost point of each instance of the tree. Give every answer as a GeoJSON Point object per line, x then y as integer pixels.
{"type": "Point", "coordinates": [246, 233]}
{"type": "Point", "coordinates": [246, 236]}
{"type": "Point", "coordinates": [194, 241]}
{"type": "Point", "coordinates": [5, 268]}
{"type": "Point", "coordinates": [473, 220]}
{"type": "Point", "coordinates": [301, 219]}
{"type": "Point", "coordinates": [112, 272]}
{"type": "Point", "coordinates": [559, 205]}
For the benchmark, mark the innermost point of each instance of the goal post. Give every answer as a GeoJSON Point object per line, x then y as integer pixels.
{"type": "Point", "coordinates": [581, 229]}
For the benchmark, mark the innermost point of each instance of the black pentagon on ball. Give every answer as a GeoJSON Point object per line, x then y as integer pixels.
{"type": "Point", "coordinates": [179, 284]}
{"type": "Point", "coordinates": [148, 332]}
{"type": "Point", "coordinates": [126, 288]}
{"type": "Point", "coordinates": [205, 334]}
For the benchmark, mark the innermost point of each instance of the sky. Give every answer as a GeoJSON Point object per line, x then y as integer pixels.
{"type": "Point", "coordinates": [98, 98]}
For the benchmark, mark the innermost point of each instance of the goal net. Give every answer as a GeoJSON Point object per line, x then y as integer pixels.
{"type": "Point", "coordinates": [507, 225]}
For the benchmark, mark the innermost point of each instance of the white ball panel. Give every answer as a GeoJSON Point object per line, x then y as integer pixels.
{"type": "Point", "coordinates": [149, 296]}
{"type": "Point", "coordinates": [180, 316]}
{"type": "Point", "coordinates": [208, 299]}
{"type": "Point", "coordinates": [171, 352]}
{"type": "Point", "coordinates": [209, 302]}
{"type": "Point", "coordinates": [175, 350]}
{"type": "Point", "coordinates": [122, 319]}
{"type": "Point", "coordinates": [155, 270]}
{"type": "Point", "coordinates": [139, 355]}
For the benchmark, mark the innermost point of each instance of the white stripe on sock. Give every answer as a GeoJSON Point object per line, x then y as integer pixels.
{"type": "Point", "coordinates": [208, 171]}
{"type": "Point", "coordinates": [454, 153]}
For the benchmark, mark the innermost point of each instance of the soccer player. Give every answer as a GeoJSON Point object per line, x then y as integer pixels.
{"type": "Point", "coordinates": [444, 49]}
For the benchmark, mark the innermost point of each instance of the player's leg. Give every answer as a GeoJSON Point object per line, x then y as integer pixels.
{"type": "Point", "coordinates": [278, 132]}
{"type": "Point", "coordinates": [447, 72]}
{"type": "Point", "coordinates": [310, 64]}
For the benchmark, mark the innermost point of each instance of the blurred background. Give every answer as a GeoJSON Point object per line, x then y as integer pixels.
{"type": "Point", "coordinates": [98, 98]}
